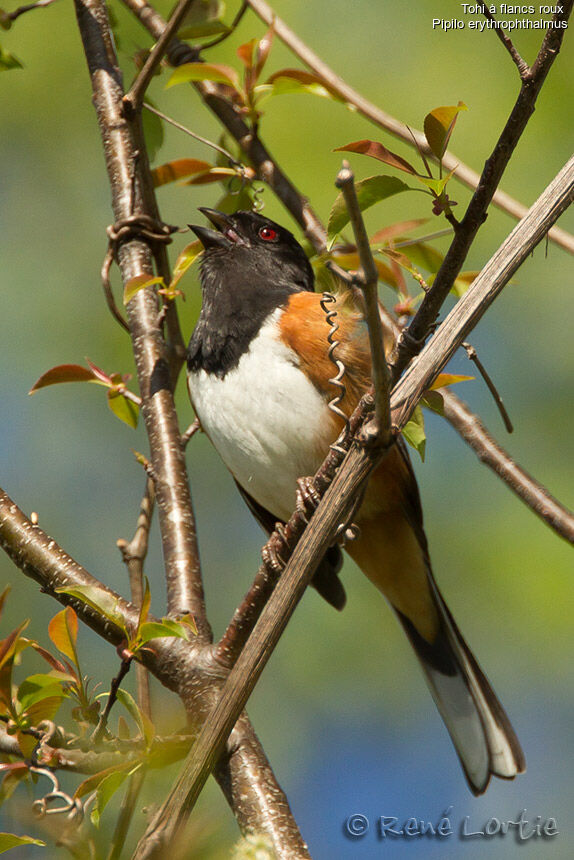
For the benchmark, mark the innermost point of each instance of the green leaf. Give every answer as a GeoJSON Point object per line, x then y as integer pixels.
{"type": "Point", "coordinates": [437, 186]}
{"type": "Point", "coordinates": [203, 18]}
{"type": "Point", "coordinates": [414, 432]}
{"type": "Point", "coordinates": [463, 282]}
{"type": "Point", "coordinates": [439, 125]}
{"type": "Point", "coordinates": [178, 169]}
{"type": "Point", "coordinates": [63, 631]}
{"type": "Point", "coordinates": [433, 401]}
{"type": "Point", "coordinates": [38, 687]}
{"type": "Point", "coordinates": [139, 282]}
{"type": "Point", "coordinates": [143, 722]}
{"type": "Point", "coordinates": [369, 192]}
{"type": "Point", "coordinates": [98, 599]}
{"type": "Point", "coordinates": [123, 408]}
{"type": "Point", "coordinates": [208, 28]}
{"type": "Point", "coordinates": [160, 629]}
{"type": "Point", "coordinates": [44, 709]}
{"type": "Point", "coordinates": [186, 259]}
{"type": "Point", "coordinates": [104, 793]}
{"type": "Point", "coordinates": [10, 840]}
{"type": "Point", "coordinates": [374, 149]}
{"type": "Point", "coordinates": [8, 61]}
{"type": "Point", "coordinates": [146, 603]}
{"type": "Point", "coordinates": [92, 782]}
{"type": "Point", "coordinates": [215, 72]}
{"type": "Point", "coordinates": [299, 80]}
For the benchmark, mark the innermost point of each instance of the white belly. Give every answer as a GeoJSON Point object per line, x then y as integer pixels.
{"type": "Point", "coordinates": [267, 421]}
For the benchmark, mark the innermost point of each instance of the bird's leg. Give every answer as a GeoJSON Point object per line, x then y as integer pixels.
{"type": "Point", "coordinates": [307, 497]}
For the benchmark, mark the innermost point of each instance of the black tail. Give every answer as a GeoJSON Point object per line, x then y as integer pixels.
{"type": "Point", "coordinates": [476, 721]}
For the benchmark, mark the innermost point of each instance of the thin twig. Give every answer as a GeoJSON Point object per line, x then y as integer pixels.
{"type": "Point", "coordinates": [188, 434]}
{"type": "Point", "coordinates": [489, 452]}
{"type": "Point", "coordinates": [387, 122]}
{"type": "Point", "coordinates": [476, 212]}
{"type": "Point", "coordinates": [232, 160]}
{"type": "Point", "coordinates": [112, 698]}
{"type": "Point", "coordinates": [11, 16]}
{"type": "Point", "coordinates": [234, 24]}
{"type": "Point", "coordinates": [519, 62]}
{"type": "Point", "coordinates": [553, 201]}
{"type": "Point", "coordinates": [134, 97]}
{"type": "Point", "coordinates": [367, 280]}
{"type": "Point", "coordinates": [473, 356]}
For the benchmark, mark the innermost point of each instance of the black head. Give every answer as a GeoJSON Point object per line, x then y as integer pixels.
{"type": "Point", "coordinates": [254, 248]}
{"type": "Point", "coordinates": [250, 267]}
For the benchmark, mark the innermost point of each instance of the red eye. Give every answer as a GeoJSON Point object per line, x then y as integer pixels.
{"type": "Point", "coordinates": [267, 233]}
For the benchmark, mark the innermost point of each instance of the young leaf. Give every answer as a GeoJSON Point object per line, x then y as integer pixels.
{"type": "Point", "coordinates": [38, 687]}
{"type": "Point", "coordinates": [124, 409]}
{"type": "Point", "coordinates": [10, 840]}
{"type": "Point", "coordinates": [414, 432]}
{"type": "Point", "coordinates": [63, 631]}
{"type": "Point", "coordinates": [302, 81]}
{"type": "Point", "coordinates": [137, 283]}
{"type": "Point", "coordinates": [8, 61]}
{"type": "Point", "coordinates": [433, 400]}
{"type": "Point", "coordinates": [143, 722]}
{"type": "Point", "coordinates": [439, 125]}
{"type": "Point", "coordinates": [65, 373]}
{"type": "Point", "coordinates": [104, 793]}
{"type": "Point", "coordinates": [187, 257]}
{"type": "Point", "coordinates": [100, 600]}
{"type": "Point", "coordinates": [161, 629]}
{"type": "Point", "coordinates": [444, 379]}
{"type": "Point", "coordinates": [214, 174]}
{"type": "Point", "coordinates": [376, 150]}
{"type": "Point", "coordinates": [401, 228]}
{"type": "Point", "coordinates": [369, 192]}
{"type": "Point", "coordinates": [92, 782]}
{"type": "Point", "coordinates": [178, 169]}
{"type": "Point", "coordinates": [215, 72]}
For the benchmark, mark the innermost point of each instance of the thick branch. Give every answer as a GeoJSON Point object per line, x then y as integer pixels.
{"type": "Point", "coordinates": [185, 591]}
{"type": "Point", "coordinates": [387, 122]}
{"type": "Point", "coordinates": [481, 199]}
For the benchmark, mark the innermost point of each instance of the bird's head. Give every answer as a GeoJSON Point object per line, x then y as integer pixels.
{"type": "Point", "coordinates": [248, 249]}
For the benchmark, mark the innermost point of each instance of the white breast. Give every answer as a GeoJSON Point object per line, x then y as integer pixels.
{"type": "Point", "coordinates": [268, 422]}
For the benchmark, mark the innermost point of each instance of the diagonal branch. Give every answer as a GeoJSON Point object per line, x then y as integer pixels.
{"type": "Point", "coordinates": [387, 122]}
{"type": "Point", "coordinates": [134, 97]}
{"type": "Point", "coordinates": [477, 208]}
{"type": "Point", "coordinates": [336, 505]}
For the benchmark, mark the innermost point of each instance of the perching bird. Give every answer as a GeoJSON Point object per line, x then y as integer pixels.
{"type": "Point", "coordinates": [258, 375]}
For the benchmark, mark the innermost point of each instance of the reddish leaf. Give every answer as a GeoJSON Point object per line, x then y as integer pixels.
{"type": "Point", "coordinates": [401, 228]}
{"type": "Point", "coordinates": [262, 51]}
{"type": "Point", "coordinates": [374, 149]}
{"type": "Point", "coordinates": [245, 53]}
{"type": "Point", "coordinates": [63, 631]}
{"type": "Point", "coordinates": [178, 169]}
{"type": "Point", "coordinates": [305, 78]}
{"type": "Point", "coordinates": [187, 257]}
{"type": "Point", "coordinates": [64, 373]}
{"type": "Point", "coordinates": [214, 174]}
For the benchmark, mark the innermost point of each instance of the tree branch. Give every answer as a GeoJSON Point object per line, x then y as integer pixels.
{"type": "Point", "coordinates": [477, 208]}
{"type": "Point", "coordinates": [124, 161]}
{"type": "Point", "coordinates": [521, 65]}
{"type": "Point", "coordinates": [527, 488]}
{"type": "Point", "coordinates": [367, 281]}
{"type": "Point", "coordinates": [134, 97]}
{"type": "Point", "coordinates": [337, 503]}
{"type": "Point", "coordinates": [385, 121]}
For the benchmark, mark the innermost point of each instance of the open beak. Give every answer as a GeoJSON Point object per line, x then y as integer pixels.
{"type": "Point", "coordinates": [224, 237]}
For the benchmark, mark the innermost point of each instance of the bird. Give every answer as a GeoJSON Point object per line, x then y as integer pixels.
{"type": "Point", "coordinates": [258, 370]}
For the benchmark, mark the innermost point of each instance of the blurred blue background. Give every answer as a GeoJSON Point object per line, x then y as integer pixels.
{"type": "Point", "coordinates": [342, 709]}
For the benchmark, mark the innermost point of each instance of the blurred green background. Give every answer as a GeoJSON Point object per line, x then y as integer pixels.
{"type": "Point", "coordinates": [342, 710]}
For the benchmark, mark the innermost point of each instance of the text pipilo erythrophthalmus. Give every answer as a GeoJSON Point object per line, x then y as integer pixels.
{"type": "Point", "coordinates": [258, 373]}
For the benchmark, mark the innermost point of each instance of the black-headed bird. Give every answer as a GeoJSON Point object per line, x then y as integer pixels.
{"type": "Point", "coordinates": [258, 375]}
